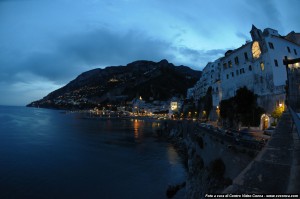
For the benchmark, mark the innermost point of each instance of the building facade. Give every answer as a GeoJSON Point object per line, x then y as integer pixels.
{"type": "Point", "coordinates": [258, 65]}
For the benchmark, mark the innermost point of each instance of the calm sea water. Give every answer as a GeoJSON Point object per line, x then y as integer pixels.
{"type": "Point", "coordinates": [49, 154]}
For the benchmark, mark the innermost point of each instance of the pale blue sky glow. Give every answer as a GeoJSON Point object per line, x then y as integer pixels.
{"type": "Point", "coordinates": [44, 44]}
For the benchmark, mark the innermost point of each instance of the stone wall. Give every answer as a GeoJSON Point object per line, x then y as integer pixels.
{"type": "Point", "coordinates": [269, 102]}
{"type": "Point", "coordinates": [211, 162]}
{"type": "Point", "coordinates": [294, 89]}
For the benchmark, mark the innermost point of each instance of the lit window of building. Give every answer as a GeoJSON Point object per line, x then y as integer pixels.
{"type": "Point", "coordinates": [262, 66]}
{"type": "Point", "coordinates": [229, 64]}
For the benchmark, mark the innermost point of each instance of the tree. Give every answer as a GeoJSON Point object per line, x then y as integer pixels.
{"type": "Point", "coordinates": [226, 111]}
{"type": "Point", "coordinates": [276, 114]}
{"type": "Point", "coordinates": [245, 101]}
{"type": "Point", "coordinates": [242, 108]}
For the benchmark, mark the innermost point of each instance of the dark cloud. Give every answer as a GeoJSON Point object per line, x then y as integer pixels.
{"type": "Point", "coordinates": [265, 14]}
{"type": "Point", "coordinates": [104, 47]}
{"type": "Point", "coordinates": [243, 36]}
{"type": "Point", "coordinates": [80, 52]}
{"type": "Point", "coordinates": [202, 57]}
{"type": "Point", "coordinates": [214, 52]}
{"type": "Point", "coordinates": [273, 14]}
{"type": "Point", "coordinates": [201, 53]}
{"type": "Point", "coordinates": [53, 42]}
{"type": "Point", "coordinates": [13, 0]}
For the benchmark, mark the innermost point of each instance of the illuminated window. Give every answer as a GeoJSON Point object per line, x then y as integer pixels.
{"type": "Point", "coordinates": [229, 64]}
{"type": "Point", "coordinates": [271, 45]}
{"type": "Point", "coordinates": [174, 106]}
{"type": "Point", "coordinates": [256, 52]}
{"type": "Point", "coordinates": [262, 66]}
{"type": "Point", "coordinates": [275, 62]}
{"type": "Point", "coordinates": [288, 49]}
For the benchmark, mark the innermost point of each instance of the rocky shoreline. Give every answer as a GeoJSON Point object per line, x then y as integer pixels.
{"type": "Point", "coordinates": [203, 176]}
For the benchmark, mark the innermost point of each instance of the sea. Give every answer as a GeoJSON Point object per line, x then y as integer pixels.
{"type": "Point", "coordinates": [56, 154]}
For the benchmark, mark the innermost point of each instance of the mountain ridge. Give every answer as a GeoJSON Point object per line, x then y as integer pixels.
{"type": "Point", "coordinates": [118, 84]}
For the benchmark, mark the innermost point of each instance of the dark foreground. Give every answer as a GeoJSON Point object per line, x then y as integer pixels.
{"type": "Point", "coordinates": [276, 169]}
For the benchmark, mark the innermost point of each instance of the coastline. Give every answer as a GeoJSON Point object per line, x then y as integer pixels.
{"type": "Point", "coordinates": [186, 136]}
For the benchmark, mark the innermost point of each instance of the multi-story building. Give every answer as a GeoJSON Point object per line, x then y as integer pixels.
{"type": "Point", "coordinates": [258, 65]}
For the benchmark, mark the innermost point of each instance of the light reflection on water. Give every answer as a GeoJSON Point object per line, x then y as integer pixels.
{"type": "Point", "coordinates": [136, 126]}
{"type": "Point", "coordinates": [172, 155]}
{"type": "Point", "coordinates": [47, 154]}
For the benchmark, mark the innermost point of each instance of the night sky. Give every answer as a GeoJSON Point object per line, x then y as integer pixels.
{"type": "Point", "coordinates": [44, 44]}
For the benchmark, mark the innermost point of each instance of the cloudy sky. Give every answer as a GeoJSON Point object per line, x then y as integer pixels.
{"type": "Point", "coordinates": [44, 44]}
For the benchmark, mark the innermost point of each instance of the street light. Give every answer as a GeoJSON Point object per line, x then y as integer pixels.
{"type": "Point", "coordinates": [218, 114]}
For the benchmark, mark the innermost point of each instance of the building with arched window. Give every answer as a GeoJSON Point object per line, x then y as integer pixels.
{"type": "Point", "coordinates": [258, 65]}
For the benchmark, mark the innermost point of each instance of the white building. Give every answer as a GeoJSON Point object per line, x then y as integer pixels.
{"type": "Point", "coordinates": [190, 93]}
{"type": "Point", "coordinates": [175, 106]}
{"type": "Point", "coordinates": [258, 65]}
